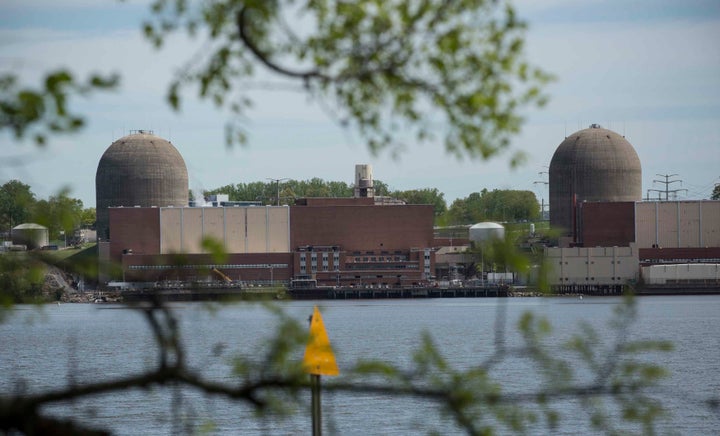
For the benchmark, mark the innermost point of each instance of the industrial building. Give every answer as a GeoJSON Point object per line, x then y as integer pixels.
{"type": "Point", "coordinates": [139, 169]}
{"type": "Point", "coordinates": [146, 226]}
{"type": "Point", "coordinates": [609, 237]}
{"type": "Point", "coordinates": [593, 164]}
{"type": "Point", "coordinates": [326, 242]}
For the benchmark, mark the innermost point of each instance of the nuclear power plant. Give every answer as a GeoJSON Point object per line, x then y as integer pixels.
{"type": "Point", "coordinates": [608, 238]}
{"type": "Point", "coordinates": [594, 164]}
{"type": "Point", "coordinates": [139, 169]}
{"type": "Point", "coordinates": [145, 222]}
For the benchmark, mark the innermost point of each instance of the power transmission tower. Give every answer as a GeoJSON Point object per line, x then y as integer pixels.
{"type": "Point", "coordinates": [667, 182]}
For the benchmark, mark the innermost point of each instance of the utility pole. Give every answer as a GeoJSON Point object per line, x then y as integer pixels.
{"type": "Point", "coordinates": [542, 197]}
{"type": "Point", "coordinates": [277, 183]}
{"type": "Point", "coordinates": [667, 182]}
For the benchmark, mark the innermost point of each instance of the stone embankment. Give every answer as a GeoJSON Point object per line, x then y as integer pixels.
{"type": "Point", "coordinates": [525, 293]}
{"type": "Point", "coordinates": [91, 297]}
{"type": "Point", "coordinates": [57, 287]}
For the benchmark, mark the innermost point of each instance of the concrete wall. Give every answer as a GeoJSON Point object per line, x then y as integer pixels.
{"type": "Point", "coordinates": [678, 224]}
{"type": "Point", "coordinates": [669, 274]}
{"type": "Point", "coordinates": [239, 229]}
{"type": "Point", "coordinates": [168, 230]}
{"type": "Point", "coordinates": [592, 265]}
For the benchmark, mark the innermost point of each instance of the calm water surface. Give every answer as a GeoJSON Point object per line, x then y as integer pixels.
{"type": "Point", "coordinates": [72, 343]}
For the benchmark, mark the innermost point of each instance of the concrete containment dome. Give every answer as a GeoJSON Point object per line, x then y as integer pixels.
{"type": "Point", "coordinates": [594, 164]}
{"type": "Point", "coordinates": [140, 169]}
{"type": "Point", "coordinates": [487, 231]}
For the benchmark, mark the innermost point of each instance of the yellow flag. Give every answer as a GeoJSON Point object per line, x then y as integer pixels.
{"type": "Point", "coordinates": [319, 358]}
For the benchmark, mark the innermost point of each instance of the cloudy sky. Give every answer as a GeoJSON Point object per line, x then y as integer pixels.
{"type": "Point", "coordinates": [648, 69]}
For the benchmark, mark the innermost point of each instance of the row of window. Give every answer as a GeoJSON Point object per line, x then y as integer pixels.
{"type": "Point", "coordinates": [590, 279]}
{"type": "Point", "coordinates": [378, 259]}
{"type": "Point", "coordinates": [592, 262]}
{"type": "Point", "coordinates": [366, 266]}
{"type": "Point", "coordinates": [240, 266]}
{"type": "Point", "coordinates": [357, 253]}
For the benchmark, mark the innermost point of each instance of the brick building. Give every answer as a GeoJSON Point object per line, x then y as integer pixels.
{"type": "Point", "coordinates": [318, 241]}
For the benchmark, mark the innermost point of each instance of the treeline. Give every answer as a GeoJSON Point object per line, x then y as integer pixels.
{"type": "Point", "coordinates": [267, 192]}
{"type": "Point", "coordinates": [18, 204]}
{"type": "Point", "coordinates": [496, 205]}
{"type": "Point", "coordinates": [59, 213]}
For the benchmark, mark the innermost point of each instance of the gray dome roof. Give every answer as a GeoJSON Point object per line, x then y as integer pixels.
{"type": "Point", "coordinates": [140, 169]}
{"type": "Point", "coordinates": [29, 226]}
{"type": "Point", "coordinates": [486, 231]}
{"type": "Point", "coordinates": [594, 164]}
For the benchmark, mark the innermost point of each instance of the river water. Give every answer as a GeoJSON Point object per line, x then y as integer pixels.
{"type": "Point", "coordinates": [72, 343]}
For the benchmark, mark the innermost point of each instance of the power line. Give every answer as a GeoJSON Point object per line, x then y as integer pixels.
{"type": "Point", "coordinates": [667, 182]}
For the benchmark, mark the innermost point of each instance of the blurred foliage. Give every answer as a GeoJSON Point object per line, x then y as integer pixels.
{"type": "Point", "coordinates": [61, 214]}
{"type": "Point", "coordinates": [395, 71]}
{"type": "Point", "coordinates": [432, 69]}
{"type": "Point", "coordinates": [41, 111]}
{"type": "Point", "coordinates": [611, 376]}
{"type": "Point", "coordinates": [21, 279]}
{"type": "Point", "coordinates": [620, 375]}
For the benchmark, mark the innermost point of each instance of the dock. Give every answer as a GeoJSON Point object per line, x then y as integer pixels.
{"type": "Point", "coordinates": [346, 293]}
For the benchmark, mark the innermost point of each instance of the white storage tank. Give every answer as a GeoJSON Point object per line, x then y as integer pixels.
{"type": "Point", "coordinates": [486, 232]}
{"type": "Point", "coordinates": [30, 234]}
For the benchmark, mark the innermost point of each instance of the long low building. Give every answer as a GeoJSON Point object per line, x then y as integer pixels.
{"type": "Point", "coordinates": [617, 241]}
{"type": "Point", "coordinates": [324, 242]}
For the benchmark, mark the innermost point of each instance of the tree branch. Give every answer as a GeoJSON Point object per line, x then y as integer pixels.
{"type": "Point", "coordinates": [240, 20]}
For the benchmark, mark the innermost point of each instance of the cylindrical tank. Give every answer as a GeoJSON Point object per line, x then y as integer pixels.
{"type": "Point", "coordinates": [139, 169]}
{"type": "Point", "coordinates": [31, 235]}
{"type": "Point", "coordinates": [594, 164]}
{"type": "Point", "coordinates": [481, 233]}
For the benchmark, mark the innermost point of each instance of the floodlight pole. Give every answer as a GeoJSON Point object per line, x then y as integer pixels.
{"type": "Point", "coordinates": [277, 184]}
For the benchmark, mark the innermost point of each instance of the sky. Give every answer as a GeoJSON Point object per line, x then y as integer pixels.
{"type": "Point", "coordinates": [647, 69]}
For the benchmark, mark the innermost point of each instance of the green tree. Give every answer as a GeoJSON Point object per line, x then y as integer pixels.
{"type": "Point", "coordinates": [424, 196]}
{"type": "Point", "coordinates": [468, 210]}
{"type": "Point", "coordinates": [16, 204]}
{"type": "Point", "coordinates": [716, 193]}
{"type": "Point", "coordinates": [61, 214]}
{"type": "Point", "coordinates": [497, 205]}
{"type": "Point", "coordinates": [291, 189]}
{"type": "Point", "coordinates": [381, 188]}
{"type": "Point", "coordinates": [88, 217]}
